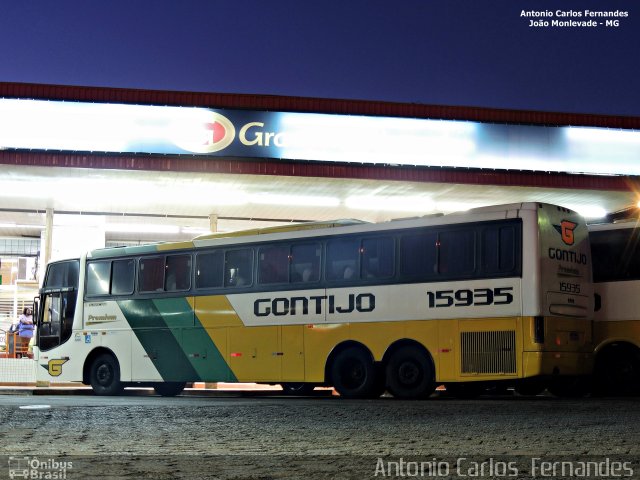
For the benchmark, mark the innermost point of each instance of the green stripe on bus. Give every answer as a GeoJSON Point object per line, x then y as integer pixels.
{"type": "Point", "coordinates": [203, 354]}
{"type": "Point", "coordinates": [158, 340]}
{"type": "Point", "coordinates": [214, 368]}
{"type": "Point", "coordinates": [180, 348]}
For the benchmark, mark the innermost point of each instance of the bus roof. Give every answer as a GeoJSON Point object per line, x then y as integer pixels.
{"type": "Point", "coordinates": [293, 227]}
{"type": "Point", "coordinates": [164, 246]}
{"type": "Point", "coordinates": [297, 230]}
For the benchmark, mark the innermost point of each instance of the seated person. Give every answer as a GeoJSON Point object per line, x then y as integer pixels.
{"type": "Point", "coordinates": [348, 273]}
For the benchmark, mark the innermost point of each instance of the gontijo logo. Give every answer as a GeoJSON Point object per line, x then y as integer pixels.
{"type": "Point", "coordinates": [565, 229]}
{"type": "Point", "coordinates": [207, 133]}
{"type": "Point", "coordinates": [54, 367]}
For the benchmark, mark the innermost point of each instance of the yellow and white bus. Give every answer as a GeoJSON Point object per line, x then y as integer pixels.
{"type": "Point", "coordinates": [498, 293]}
{"type": "Point", "coordinates": [616, 274]}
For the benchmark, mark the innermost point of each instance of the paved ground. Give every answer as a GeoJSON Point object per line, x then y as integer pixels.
{"type": "Point", "coordinates": [328, 437]}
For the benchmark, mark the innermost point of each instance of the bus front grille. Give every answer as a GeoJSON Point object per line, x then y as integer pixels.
{"type": "Point", "coordinates": [488, 352]}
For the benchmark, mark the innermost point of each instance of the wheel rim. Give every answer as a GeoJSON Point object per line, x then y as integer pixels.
{"type": "Point", "coordinates": [104, 374]}
{"type": "Point", "coordinates": [624, 371]}
{"type": "Point", "coordinates": [409, 373]}
{"type": "Point", "coordinates": [353, 373]}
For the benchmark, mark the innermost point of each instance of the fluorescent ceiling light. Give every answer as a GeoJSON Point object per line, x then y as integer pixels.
{"type": "Point", "coordinates": [607, 135]}
{"type": "Point", "coordinates": [70, 220]}
{"type": "Point", "coordinates": [17, 225]}
{"type": "Point", "coordinates": [108, 127]}
{"type": "Point", "coordinates": [194, 230]}
{"type": "Point", "coordinates": [589, 211]}
{"type": "Point", "coordinates": [294, 200]}
{"type": "Point", "coordinates": [142, 228]}
{"type": "Point", "coordinates": [205, 193]}
{"type": "Point", "coordinates": [454, 206]}
{"type": "Point", "coordinates": [393, 204]}
{"type": "Point", "coordinates": [375, 139]}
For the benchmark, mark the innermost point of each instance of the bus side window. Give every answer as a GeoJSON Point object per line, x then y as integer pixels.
{"type": "Point", "coordinates": [151, 274]}
{"type": "Point", "coordinates": [342, 259]}
{"type": "Point", "coordinates": [273, 264]}
{"type": "Point", "coordinates": [615, 254]}
{"type": "Point", "coordinates": [377, 257]}
{"type": "Point", "coordinates": [238, 268]}
{"type": "Point", "coordinates": [122, 277]}
{"type": "Point", "coordinates": [209, 269]}
{"type": "Point", "coordinates": [418, 254]}
{"type": "Point", "coordinates": [98, 274]}
{"type": "Point", "coordinates": [498, 250]}
{"type": "Point", "coordinates": [456, 252]}
{"type": "Point", "coordinates": [178, 273]}
{"type": "Point", "coordinates": [305, 263]}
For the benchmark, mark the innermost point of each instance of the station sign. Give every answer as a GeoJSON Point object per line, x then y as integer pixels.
{"type": "Point", "coordinates": [143, 129]}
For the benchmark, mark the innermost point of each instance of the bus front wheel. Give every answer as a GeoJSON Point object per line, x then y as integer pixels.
{"type": "Point", "coordinates": [105, 375]}
{"type": "Point", "coordinates": [353, 374]}
{"type": "Point", "coordinates": [410, 373]}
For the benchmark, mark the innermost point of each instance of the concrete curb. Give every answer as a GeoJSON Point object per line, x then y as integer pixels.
{"type": "Point", "coordinates": [138, 392]}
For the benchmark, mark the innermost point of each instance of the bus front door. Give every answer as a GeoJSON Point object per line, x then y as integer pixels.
{"type": "Point", "coordinates": [55, 318]}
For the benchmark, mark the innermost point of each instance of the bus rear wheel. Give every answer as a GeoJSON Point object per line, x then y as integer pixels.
{"type": "Point", "coordinates": [169, 389]}
{"type": "Point", "coordinates": [617, 371]}
{"type": "Point", "coordinates": [353, 374]}
{"type": "Point", "coordinates": [410, 373]}
{"type": "Point", "coordinates": [105, 375]}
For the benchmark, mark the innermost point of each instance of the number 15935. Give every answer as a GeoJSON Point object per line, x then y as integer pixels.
{"type": "Point", "coordinates": [467, 298]}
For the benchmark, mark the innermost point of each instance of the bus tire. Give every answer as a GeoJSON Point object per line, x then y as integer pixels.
{"type": "Point", "coordinates": [617, 371]}
{"type": "Point", "coordinates": [297, 388]}
{"type": "Point", "coordinates": [353, 373]}
{"type": "Point", "coordinates": [105, 375]}
{"type": "Point", "coordinates": [169, 389]}
{"type": "Point", "coordinates": [410, 373]}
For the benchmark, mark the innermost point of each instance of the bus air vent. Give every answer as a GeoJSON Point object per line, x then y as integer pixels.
{"type": "Point", "coordinates": [488, 352]}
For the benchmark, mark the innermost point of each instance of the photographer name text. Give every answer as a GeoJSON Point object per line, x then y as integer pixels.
{"type": "Point", "coordinates": [574, 18]}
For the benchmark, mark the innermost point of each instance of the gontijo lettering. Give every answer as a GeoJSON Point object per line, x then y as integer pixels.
{"type": "Point", "coordinates": [363, 302]}
{"type": "Point", "coordinates": [567, 256]}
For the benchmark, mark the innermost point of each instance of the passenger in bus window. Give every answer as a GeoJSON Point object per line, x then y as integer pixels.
{"type": "Point", "coordinates": [307, 275]}
{"type": "Point", "coordinates": [171, 282]}
{"type": "Point", "coordinates": [240, 280]}
{"type": "Point", "coordinates": [234, 278]}
{"type": "Point", "coordinates": [348, 272]}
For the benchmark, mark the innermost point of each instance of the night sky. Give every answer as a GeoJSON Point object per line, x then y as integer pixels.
{"type": "Point", "coordinates": [450, 52]}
